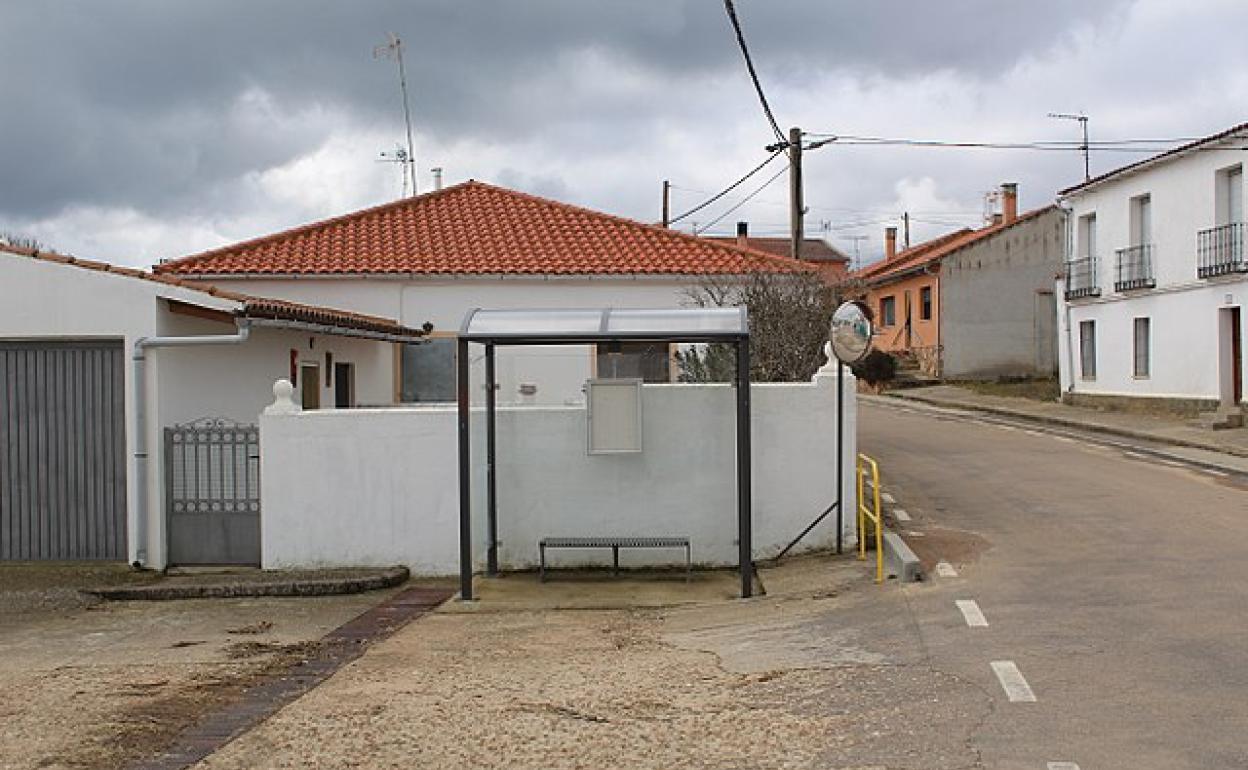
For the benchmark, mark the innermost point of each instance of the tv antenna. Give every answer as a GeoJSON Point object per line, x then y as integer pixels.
{"type": "Point", "coordinates": [393, 49]}
{"type": "Point", "coordinates": [857, 239]}
{"type": "Point", "coordinates": [399, 156]}
{"type": "Point", "coordinates": [1083, 123]}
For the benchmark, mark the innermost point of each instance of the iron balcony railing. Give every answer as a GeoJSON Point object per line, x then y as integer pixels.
{"type": "Point", "coordinates": [1220, 250]}
{"type": "Point", "coordinates": [1134, 268]}
{"type": "Point", "coordinates": [1081, 278]}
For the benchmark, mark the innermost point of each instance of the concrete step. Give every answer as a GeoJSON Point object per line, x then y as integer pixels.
{"type": "Point", "coordinates": [1225, 418]}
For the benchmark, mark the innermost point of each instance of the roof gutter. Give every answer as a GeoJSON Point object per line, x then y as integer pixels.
{"type": "Point", "coordinates": [139, 409]}
{"type": "Point", "coordinates": [337, 331]}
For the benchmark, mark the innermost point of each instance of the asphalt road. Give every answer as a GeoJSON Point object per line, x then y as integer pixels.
{"type": "Point", "coordinates": [1113, 581]}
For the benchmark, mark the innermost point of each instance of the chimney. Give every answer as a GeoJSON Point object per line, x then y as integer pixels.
{"type": "Point", "coordinates": [437, 178]}
{"type": "Point", "coordinates": [1009, 201]}
{"type": "Point", "coordinates": [890, 242]}
{"type": "Point", "coordinates": [743, 233]}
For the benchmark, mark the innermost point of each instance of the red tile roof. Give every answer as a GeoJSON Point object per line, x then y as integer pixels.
{"type": "Point", "coordinates": [478, 229]}
{"type": "Point", "coordinates": [933, 251]}
{"type": "Point", "coordinates": [813, 249]}
{"type": "Point", "coordinates": [249, 306]}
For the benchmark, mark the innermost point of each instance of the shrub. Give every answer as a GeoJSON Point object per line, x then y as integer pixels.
{"type": "Point", "coordinates": [878, 368]}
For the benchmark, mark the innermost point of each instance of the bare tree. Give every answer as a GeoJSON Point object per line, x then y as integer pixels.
{"type": "Point", "coordinates": [789, 316]}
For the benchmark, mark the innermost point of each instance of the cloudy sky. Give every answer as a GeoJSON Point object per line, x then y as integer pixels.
{"type": "Point", "coordinates": [133, 130]}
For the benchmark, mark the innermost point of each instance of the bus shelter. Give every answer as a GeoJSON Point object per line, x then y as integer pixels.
{"type": "Point", "coordinates": [602, 326]}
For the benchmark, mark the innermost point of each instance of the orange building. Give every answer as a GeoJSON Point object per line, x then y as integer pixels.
{"type": "Point", "coordinates": [904, 289]}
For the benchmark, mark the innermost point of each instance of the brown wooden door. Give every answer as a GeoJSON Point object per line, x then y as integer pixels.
{"type": "Point", "coordinates": [1237, 357]}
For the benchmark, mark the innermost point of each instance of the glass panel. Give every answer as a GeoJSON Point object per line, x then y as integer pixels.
{"type": "Point", "coordinates": [676, 320]}
{"type": "Point", "coordinates": [536, 322]}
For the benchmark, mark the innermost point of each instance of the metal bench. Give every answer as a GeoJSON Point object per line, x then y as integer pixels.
{"type": "Point", "coordinates": [615, 544]}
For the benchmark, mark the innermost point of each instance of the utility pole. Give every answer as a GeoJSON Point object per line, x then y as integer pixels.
{"type": "Point", "coordinates": [1083, 123]}
{"type": "Point", "coordinates": [795, 191]}
{"type": "Point", "coordinates": [905, 218]}
{"type": "Point", "coordinates": [667, 193]}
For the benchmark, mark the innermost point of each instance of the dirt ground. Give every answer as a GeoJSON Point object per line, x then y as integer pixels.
{"type": "Point", "coordinates": [809, 676]}
{"type": "Point", "coordinates": [90, 684]}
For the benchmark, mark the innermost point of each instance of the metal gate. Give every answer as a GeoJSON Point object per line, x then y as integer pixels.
{"type": "Point", "coordinates": [212, 492]}
{"type": "Point", "coordinates": [62, 450]}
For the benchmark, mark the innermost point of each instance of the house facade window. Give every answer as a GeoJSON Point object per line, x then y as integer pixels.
{"type": "Point", "coordinates": [888, 311]}
{"type": "Point", "coordinates": [1230, 195]}
{"type": "Point", "coordinates": [925, 303]}
{"type": "Point", "coordinates": [1087, 236]}
{"type": "Point", "coordinates": [1141, 220]}
{"type": "Point", "coordinates": [1140, 346]}
{"type": "Point", "coordinates": [427, 371]}
{"type": "Point", "coordinates": [1087, 349]}
{"type": "Point", "coordinates": [650, 361]}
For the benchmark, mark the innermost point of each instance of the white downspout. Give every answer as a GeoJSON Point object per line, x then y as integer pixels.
{"type": "Point", "coordinates": [140, 418]}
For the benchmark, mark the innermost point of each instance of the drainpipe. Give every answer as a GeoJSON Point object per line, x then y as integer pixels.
{"type": "Point", "coordinates": [1068, 249]}
{"type": "Point", "coordinates": [139, 408]}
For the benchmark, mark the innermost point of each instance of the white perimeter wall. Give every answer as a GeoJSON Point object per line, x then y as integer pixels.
{"type": "Point", "coordinates": [371, 487]}
{"type": "Point", "coordinates": [558, 372]}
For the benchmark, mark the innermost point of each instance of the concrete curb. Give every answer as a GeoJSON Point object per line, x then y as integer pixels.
{"type": "Point", "coordinates": [899, 561]}
{"type": "Point", "coordinates": [1090, 427]}
{"type": "Point", "coordinates": [225, 589]}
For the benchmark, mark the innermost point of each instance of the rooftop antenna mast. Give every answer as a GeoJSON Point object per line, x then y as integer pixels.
{"type": "Point", "coordinates": [393, 49]}
{"type": "Point", "coordinates": [1083, 123]}
{"type": "Point", "coordinates": [398, 156]}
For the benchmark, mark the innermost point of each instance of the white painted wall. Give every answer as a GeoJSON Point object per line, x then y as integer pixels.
{"type": "Point", "coordinates": [380, 486]}
{"type": "Point", "coordinates": [1184, 309]}
{"type": "Point", "coordinates": [46, 300]}
{"type": "Point", "coordinates": [558, 372]}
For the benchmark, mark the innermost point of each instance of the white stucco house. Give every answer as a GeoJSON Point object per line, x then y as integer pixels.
{"type": "Point", "coordinates": [1156, 277]}
{"type": "Point", "coordinates": [116, 383]}
{"type": "Point", "coordinates": [432, 258]}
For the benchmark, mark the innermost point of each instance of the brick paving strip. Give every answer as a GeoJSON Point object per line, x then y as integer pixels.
{"type": "Point", "coordinates": [339, 647]}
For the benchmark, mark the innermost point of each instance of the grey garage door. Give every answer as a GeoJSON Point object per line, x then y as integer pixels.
{"type": "Point", "coordinates": [62, 451]}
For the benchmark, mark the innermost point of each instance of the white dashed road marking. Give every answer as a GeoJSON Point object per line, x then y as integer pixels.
{"type": "Point", "coordinates": [886, 497]}
{"type": "Point", "coordinates": [1063, 766]}
{"type": "Point", "coordinates": [1212, 472]}
{"type": "Point", "coordinates": [945, 569]}
{"type": "Point", "coordinates": [1135, 455]}
{"type": "Point", "coordinates": [901, 514]}
{"type": "Point", "coordinates": [1012, 681]}
{"type": "Point", "coordinates": [971, 612]}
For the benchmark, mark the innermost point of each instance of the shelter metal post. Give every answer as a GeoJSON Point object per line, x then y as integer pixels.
{"type": "Point", "coordinates": [745, 557]}
{"type": "Point", "coordinates": [465, 475]}
{"type": "Point", "coordinates": [491, 487]}
{"type": "Point", "coordinates": [840, 455]}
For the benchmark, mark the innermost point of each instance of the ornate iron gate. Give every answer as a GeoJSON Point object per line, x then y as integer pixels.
{"type": "Point", "coordinates": [212, 492]}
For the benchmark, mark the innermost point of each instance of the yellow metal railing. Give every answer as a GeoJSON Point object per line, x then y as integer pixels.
{"type": "Point", "coordinates": [870, 513]}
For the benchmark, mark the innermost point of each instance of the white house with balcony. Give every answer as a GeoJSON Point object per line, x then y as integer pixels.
{"type": "Point", "coordinates": [1150, 302]}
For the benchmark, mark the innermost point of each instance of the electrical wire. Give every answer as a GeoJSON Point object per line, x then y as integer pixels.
{"type": "Point", "coordinates": [741, 203]}
{"type": "Point", "coordinates": [726, 190]}
{"type": "Point", "coordinates": [1115, 145]}
{"type": "Point", "coordinates": [749, 65]}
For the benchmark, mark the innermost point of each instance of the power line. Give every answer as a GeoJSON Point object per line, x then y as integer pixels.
{"type": "Point", "coordinates": [743, 201]}
{"type": "Point", "coordinates": [749, 65]}
{"type": "Point", "coordinates": [726, 190]}
{"type": "Point", "coordinates": [1120, 145]}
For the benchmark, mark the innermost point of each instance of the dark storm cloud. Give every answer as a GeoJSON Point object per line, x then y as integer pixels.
{"type": "Point", "coordinates": [140, 103]}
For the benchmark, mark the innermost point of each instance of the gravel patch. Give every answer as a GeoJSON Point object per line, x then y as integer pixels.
{"type": "Point", "coordinates": [598, 689]}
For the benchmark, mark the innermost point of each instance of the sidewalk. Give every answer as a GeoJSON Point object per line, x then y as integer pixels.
{"type": "Point", "coordinates": [1174, 431]}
